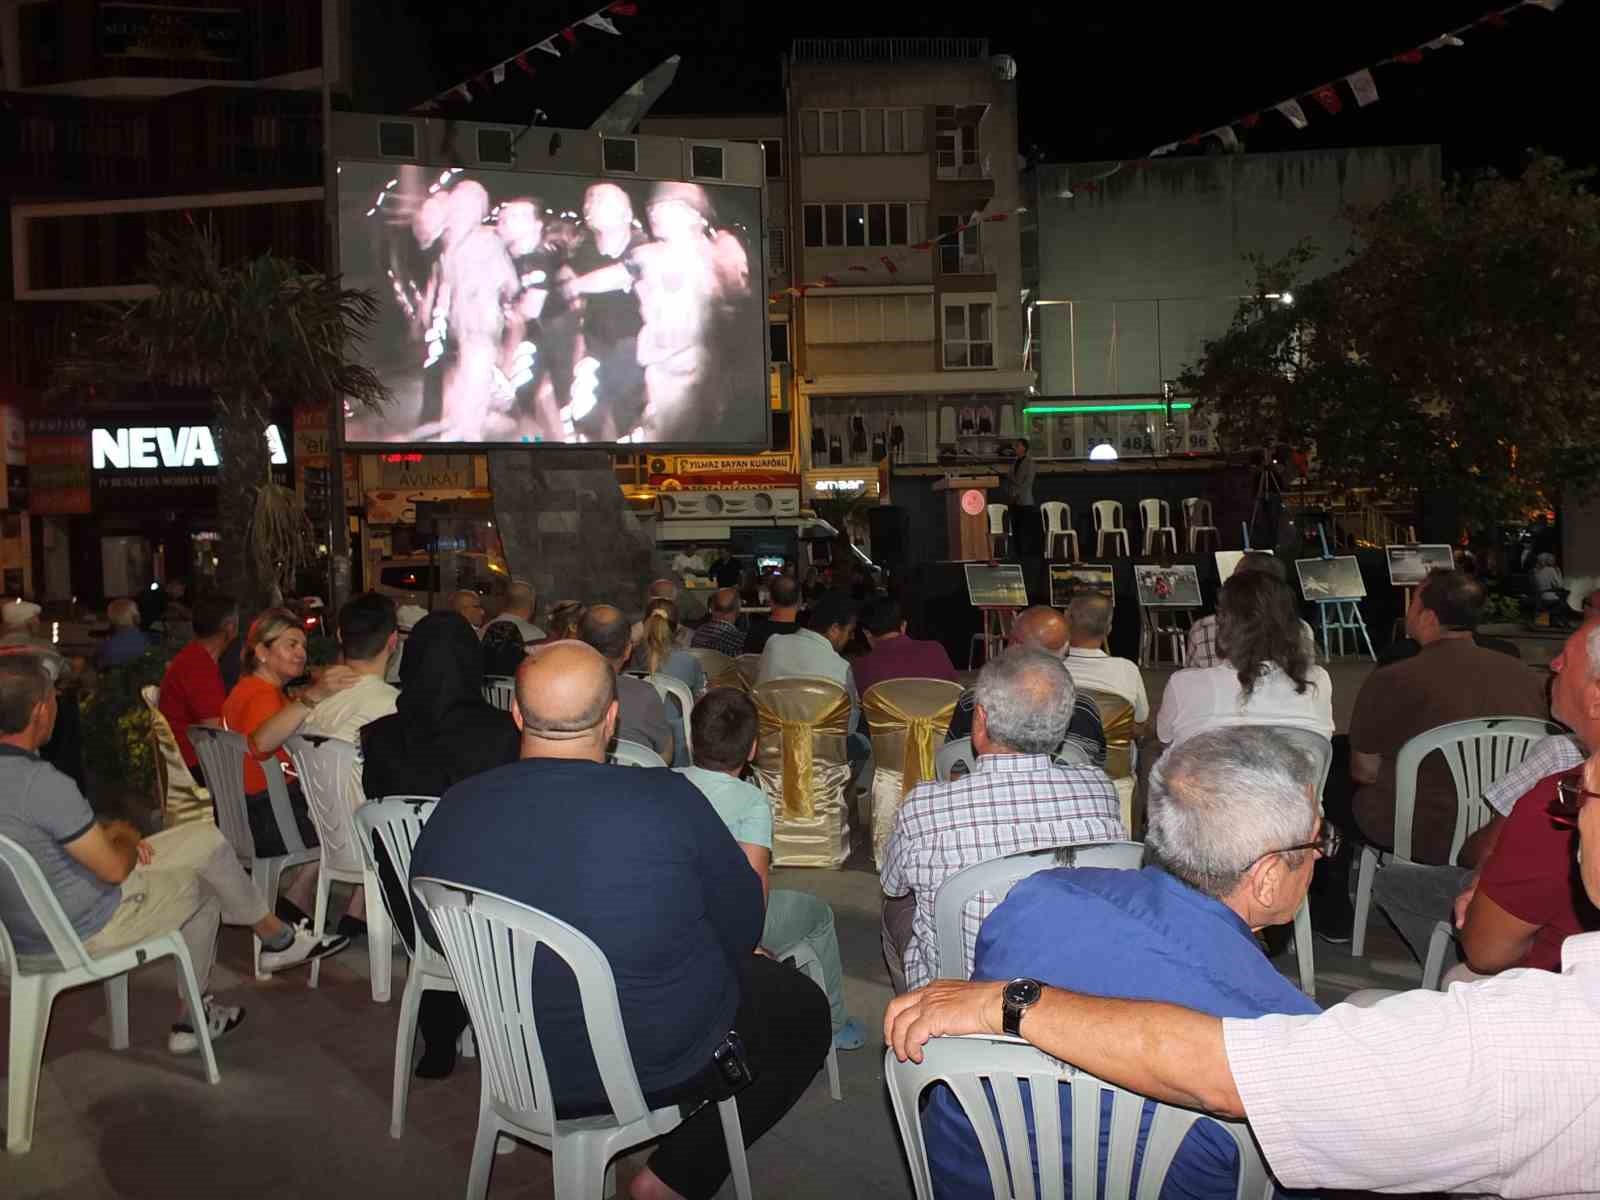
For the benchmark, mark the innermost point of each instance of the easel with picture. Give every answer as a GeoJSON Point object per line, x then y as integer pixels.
{"type": "Point", "coordinates": [1334, 584]}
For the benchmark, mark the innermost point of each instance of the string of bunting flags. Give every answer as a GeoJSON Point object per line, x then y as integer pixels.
{"type": "Point", "coordinates": [566, 37]}
{"type": "Point", "coordinates": [1328, 97]}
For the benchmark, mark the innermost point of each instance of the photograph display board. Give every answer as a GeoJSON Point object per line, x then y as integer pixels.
{"type": "Point", "coordinates": [1167, 587]}
{"type": "Point", "coordinates": [998, 585]}
{"type": "Point", "coordinates": [1409, 563]}
{"type": "Point", "coordinates": [1331, 578]}
{"type": "Point", "coordinates": [1228, 561]}
{"type": "Point", "coordinates": [520, 308]}
{"type": "Point", "coordinates": [1072, 579]}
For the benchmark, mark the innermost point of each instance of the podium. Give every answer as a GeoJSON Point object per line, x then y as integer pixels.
{"type": "Point", "coordinates": [968, 531]}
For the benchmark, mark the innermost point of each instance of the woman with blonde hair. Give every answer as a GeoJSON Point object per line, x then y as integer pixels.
{"type": "Point", "coordinates": [658, 652]}
{"type": "Point", "coordinates": [564, 620]}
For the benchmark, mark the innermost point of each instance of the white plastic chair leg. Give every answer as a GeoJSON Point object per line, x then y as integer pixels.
{"type": "Point", "coordinates": [319, 921]}
{"type": "Point", "coordinates": [266, 877]}
{"type": "Point", "coordinates": [1369, 866]}
{"type": "Point", "coordinates": [738, 1162]}
{"type": "Point", "coordinates": [1303, 951]}
{"type": "Point", "coordinates": [117, 1011]}
{"type": "Point", "coordinates": [466, 1044]}
{"type": "Point", "coordinates": [1438, 943]}
{"type": "Point", "coordinates": [197, 1006]}
{"type": "Point", "coordinates": [380, 941]}
{"type": "Point", "coordinates": [405, 1042]}
{"type": "Point", "coordinates": [483, 1159]}
{"type": "Point", "coordinates": [30, 1018]}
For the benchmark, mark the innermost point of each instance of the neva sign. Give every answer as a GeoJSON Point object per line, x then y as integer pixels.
{"type": "Point", "coordinates": [145, 448]}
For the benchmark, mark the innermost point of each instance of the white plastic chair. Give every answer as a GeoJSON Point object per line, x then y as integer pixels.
{"type": "Point", "coordinates": [671, 689]}
{"type": "Point", "coordinates": [1058, 524]}
{"type": "Point", "coordinates": [500, 691]}
{"type": "Point", "coordinates": [953, 754]}
{"type": "Point", "coordinates": [965, 1064]}
{"type": "Point", "coordinates": [221, 753]}
{"type": "Point", "coordinates": [329, 770]}
{"type": "Point", "coordinates": [998, 516]}
{"type": "Point", "coordinates": [1478, 753]}
{"type": "Point", "coordinates": [1108, 524]}
{"type": "Point", "coordinates": [632, 754]}
{"type": "Point", "coordinates": [34, 987]}
{"type": "Point", "coordinates": [1321, 749]}
{"type": "Point", "coordinates": [396, 822]}
{"type": "Point", "coordinates": [805, 959]}
{"type": "Point", "coordinates": [1197, 519]}
{"type": "Point", "coordinates": [490, 943]}
{"type": "Point", "coordinates": [997, 877]}
{"type": "Point", "coordinates": [1155, 517]}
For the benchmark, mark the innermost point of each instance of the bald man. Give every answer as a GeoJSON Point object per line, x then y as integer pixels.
{"type": "Point", "coordinates": [638, 861]}
{"type": "Point", "coordinates": [642, 717]}
{"type": "Point", "coordinates": [1094, 669]}
{"type": "Point", "coordinates": [468, 604]}
{"type": "Point", "coordinates": [1043, 628]}
{"type": "Point", "coordinates": [521, 601]}
{"type": "Point", "coordinates": [720, 631]}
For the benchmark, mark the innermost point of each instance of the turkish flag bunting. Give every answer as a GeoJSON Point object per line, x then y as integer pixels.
{"type": "Point", "coordinates": [499, 73]}
{"type": "Point", "coordinates": [624, 8]}
{"type": "Point", "coordinates": [1250, 121]}
{"type": "Point", "coordinates": [888, 264]}
{"type": "Point", "coordinates": [1329, 99]}
{"type": "Point", "coordinates": [570, 36]}
{"type": "Point", "coordinates": [922, 245]}
{"type": "Point", "coordinates": [999, 216]}
{"type": "Point", "coordinates": [1293, 113]}
{"type": "Point", "coordinates": [523, 64]}
{"type": "Point", "coordinates": [1363, 88]}
{"type": "Point", "coordinates": [1410, 57]}
{"type": "Point", "coordinates": [1493, 20]}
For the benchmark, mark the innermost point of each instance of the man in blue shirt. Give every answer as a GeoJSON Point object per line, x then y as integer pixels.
{"type": "Point", "coordinates": [1234, 830]}
{"type": "Point", "coordinates": [641, 863]}
{"type": "Point", "coordinates": [126, 641]}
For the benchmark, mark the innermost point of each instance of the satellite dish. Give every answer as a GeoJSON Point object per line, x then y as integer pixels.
{"type": "Point", "coordinates": [1004, 66]}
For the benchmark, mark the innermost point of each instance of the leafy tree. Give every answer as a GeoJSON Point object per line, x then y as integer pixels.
{"type": "Point", "coordinates": [264, 332]}
{"type": "Point", "coordinates": [1456, 351]}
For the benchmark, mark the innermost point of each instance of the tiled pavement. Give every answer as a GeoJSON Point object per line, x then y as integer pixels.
{"type": "Point", "coordinates": [302, 1108]}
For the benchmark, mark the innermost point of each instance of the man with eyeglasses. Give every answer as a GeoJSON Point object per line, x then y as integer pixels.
{"type": "Point", "coordinates": [1489, 1088]}
{"type": "Point", "coordinates": [1234, 829]}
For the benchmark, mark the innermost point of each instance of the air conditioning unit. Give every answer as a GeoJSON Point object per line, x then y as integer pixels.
{"type": "Point", "coordinates": [730, 505]}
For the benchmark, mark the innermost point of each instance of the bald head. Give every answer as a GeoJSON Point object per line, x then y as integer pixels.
{"type": "Point", "coordinates": [1090, 618]}
{"type": "Point", "coordinates": [520, 599]}
{"type": "Point", "coordinates": [663, 589]}
{"type": "Point", "coordinates": [470, 605]}
{"type": "Point", "coordinates": [1040, 628]}
{"type": "Point", "coordinates": [724, 604]}
{"type": "Point", "coordinates": [566, 702]}
{"type": "Point", "coordinates": [609, 631]}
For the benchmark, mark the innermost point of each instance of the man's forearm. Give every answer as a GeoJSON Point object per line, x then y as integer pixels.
{"type": "Point", "coordinates": [280, 726]}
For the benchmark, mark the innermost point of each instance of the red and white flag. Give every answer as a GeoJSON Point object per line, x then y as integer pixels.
{"type": "Point", "coordinates": [1226, 135]}
{"type": "Point", "coordinates": [1292, 111]}
{"type": "Point", "coordinates": [1363, 88]}
{"type": "Point", "coordinates": [596, 21]}
{"type": "Point", "coordinates": [1328, 97]}
{"type": "Point", "coordinates": [549, 47]}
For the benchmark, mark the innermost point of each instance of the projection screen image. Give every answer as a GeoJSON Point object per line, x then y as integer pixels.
{"type": "Point", "coordinates": [557, 309]}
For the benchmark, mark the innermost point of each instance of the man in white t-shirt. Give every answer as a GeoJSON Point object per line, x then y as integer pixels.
{"type": "Point", "coordinates": [521, 600]}
{"type": "Point", "coordinates": [1094, 670]}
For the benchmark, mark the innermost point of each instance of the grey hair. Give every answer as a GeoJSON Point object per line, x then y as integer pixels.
{"type": "Point", "coordinates": [1223, 799]}
{"type": "Point", "coordinates": [1027, 698]}
{"type": "Point", "coordinates": [1090, 614]}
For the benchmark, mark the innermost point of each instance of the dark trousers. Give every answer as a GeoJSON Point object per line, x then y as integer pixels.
{"type": "Point", "coordinates": [1330, 878]}
{"type": "Point", "coordinates": [784, 1022]}
{"type": "Point", "coordinates": [1027, 534]}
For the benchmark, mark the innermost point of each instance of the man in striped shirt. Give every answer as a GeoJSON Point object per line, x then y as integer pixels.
{"type": "Point", "coordinates": [1017, 799]}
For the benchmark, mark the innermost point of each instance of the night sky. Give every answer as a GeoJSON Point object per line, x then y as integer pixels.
{"type": "Point", "coordinates": [1094, 83]}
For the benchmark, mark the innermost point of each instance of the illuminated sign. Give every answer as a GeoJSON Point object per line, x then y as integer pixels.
{"type": "Point", "coordinates": [148, 448]}
{"type": "Point", "coordinates": [839, 485]}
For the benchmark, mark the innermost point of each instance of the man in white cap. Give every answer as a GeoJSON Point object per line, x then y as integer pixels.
{"type": "Point", "coordinates": [407, 616]}
{"type": "Point", "coordinates": [22, 631]}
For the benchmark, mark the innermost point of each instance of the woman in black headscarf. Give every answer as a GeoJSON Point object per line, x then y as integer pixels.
{"type": "Point", "coordinates": [442, 731]}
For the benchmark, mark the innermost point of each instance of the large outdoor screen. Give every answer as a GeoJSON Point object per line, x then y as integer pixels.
{"type": "Point", "coordinates": [557, 309]}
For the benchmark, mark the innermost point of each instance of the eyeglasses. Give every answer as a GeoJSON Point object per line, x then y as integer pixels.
{"type": "Point", "coordinates": [1571, 796]}
{"type": "Point", "coordinates": [1326, 844]}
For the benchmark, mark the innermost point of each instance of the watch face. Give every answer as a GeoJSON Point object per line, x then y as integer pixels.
{"type": "Point", "coordinates": [1021, 993]}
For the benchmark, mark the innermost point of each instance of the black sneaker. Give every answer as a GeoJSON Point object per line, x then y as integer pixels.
{"type": "Point", "coordinates": [352, 927]}
{"type": "Point", "coordinates": [1333, 919]}
{"type": "Point", "coordinates": [290, 913]}
{"type": "Point", "coordinates": [221, 1020]}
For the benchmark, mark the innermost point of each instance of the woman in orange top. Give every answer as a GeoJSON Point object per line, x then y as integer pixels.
{"type": "Point", "coordinates": [259, 708]}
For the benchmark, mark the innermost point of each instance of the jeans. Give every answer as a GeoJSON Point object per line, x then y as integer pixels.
{"type": "Point", "coordinates": [800, 917]}
{"type": "Point", "coordinates": [1415, 897]}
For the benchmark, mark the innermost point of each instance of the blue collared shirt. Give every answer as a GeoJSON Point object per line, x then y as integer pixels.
{"type": "Point", "coordinates": [1141, 935]}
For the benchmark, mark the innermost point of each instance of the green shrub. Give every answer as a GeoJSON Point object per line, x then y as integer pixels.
{"type": "Point", "coordinates": [116, 728]}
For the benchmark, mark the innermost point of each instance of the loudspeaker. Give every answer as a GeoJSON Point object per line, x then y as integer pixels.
{"type": "Point", "coordinates": [722, 505]}
{"type": "Point", "coordinates": [780, 431]}
{"type": "Point", "coordinates": [889, 526]}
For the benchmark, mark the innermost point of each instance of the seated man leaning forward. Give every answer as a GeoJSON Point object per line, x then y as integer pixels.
{"type": "Point", "coordinates": [1017, 799]}
{"type": "Point", "coordinates": [640, 863]}
{"type": "Point", "coordinates": [1234, 830]}
{"type": "Point", "coordinates": [725, 729]}
{"type": "Point", "coordinates": [116, 888]}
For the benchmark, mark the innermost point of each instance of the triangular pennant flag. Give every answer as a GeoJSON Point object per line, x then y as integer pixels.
{"type": "Point", "coordinates": [1193, 139]}
{"type": "Point", "coordinates": [1226, 135]}
{"type": "Point", "coordinates": [999, 216]}
{"type": "Point", "coordinates": [570, 36]}
{"type": "Point", "coordinates": [1292, 111]}
{"type": "Point", "coordinates": [1442, 41]}
{"type": "Point", "coordinates": [1410, 57]}
{"type": "Point", "coordinates": [500, 73]}
{"type": "Point", "coordinates": [1329, 99]}
{"type": "Point", "coordinates": [1160, 150]}
{"type": "Point", "coordinates": [1250, 121]}
{"type": "Point", "coordinates": [596, 21]}
{"type": "Point", "coordinates": [1547, 5]}
{"type": "Point", "coordinates": [888, 264]}
{"type": "Point", "coordinates": [1363, 88]}
{"type": "Point", "coordinates": [623, 8]}
{"type": "Point", "coordinates": [923, 246]}
{"type": "Point", "coordinates": [466, 92]}
{"type": "Point", "coordinates": [523, 64]}
{"type": "Point", "coordinates": [549, 47]}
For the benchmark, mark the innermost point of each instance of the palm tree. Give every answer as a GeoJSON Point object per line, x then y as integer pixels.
{"type": "Point", "coordinates": [264, 332]}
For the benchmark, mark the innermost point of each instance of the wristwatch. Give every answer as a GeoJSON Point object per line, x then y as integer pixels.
{"type": "Point", "coordinates": [1018, 996]}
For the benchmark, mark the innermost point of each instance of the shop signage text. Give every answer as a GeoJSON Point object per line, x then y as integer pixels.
{"type": "Point", "coordinates": [145, 448]}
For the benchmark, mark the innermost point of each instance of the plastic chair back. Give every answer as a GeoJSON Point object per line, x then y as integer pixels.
{"type": "Point", "coordinates": [1197, 513]}
{"type": "Point", "coordinates": [489, 942]}
{"type": "Point", "coordinates": [221, 753]}
{"type": "Point", "coordinates": [966, 1064]}
{"type": "Point", "coordinates": [633, 754]}
{"type": "Point", "coordinates": [29, 882]}
{"type": "Point", "coordinates": [673, 690]}
{"type": "Point", "coordinates": [907, 719]}
{"type": "Point", "coordinates": [1478, 753]}
{"type": "Point", "coordinates": [395, 823]}
{"type": "Point", "coordinates": [802, 764]}
{"type": "Point", "coordinates": [1107, 514]}
{"type": "Point", "coordinates": [997, 520]}
{"type": "Point", "coordinates": [957, 753]}
{"type": "Point", "coordinates": [328, 769]}
{"type": "Point", "coordinates": [1153, 514]}
{"type": "Point", "coordinates": [1057, 517]}
{"type": "Point", "coordinates": [993, 880]}
{"type": "Point", "coordinates": [500, 691]}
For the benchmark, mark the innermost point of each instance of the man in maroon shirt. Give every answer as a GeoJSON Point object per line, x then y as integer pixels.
{"type": "Point", "coordinates": [893, 654]}
{"type": "Point", "coordinates": [1528, 898]}
{"type": "Point", "coordinates": [191, 689]}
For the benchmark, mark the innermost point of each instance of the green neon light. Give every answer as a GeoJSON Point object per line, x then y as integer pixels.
{"type": "Point", "coordinates": [1177, 406]}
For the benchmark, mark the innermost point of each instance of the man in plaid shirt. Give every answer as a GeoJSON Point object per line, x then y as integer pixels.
{"type": "Point", "coordinates": [719, 632]}
{"type": "Point", "coordinates": [1017, 799]}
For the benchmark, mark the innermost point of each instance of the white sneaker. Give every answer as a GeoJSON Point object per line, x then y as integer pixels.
{"type": "Point", "coordinates": [221, 1019]}
{"type": "Point", "coordinates": [305, 947]}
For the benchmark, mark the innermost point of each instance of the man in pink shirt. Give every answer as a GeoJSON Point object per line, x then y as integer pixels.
{"type": "Point", "coordinates": [894, 655]}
